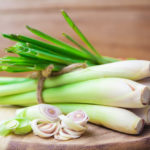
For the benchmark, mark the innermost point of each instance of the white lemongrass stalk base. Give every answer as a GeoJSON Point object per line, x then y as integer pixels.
{"type": "Point", "coordinates": [117, 119]}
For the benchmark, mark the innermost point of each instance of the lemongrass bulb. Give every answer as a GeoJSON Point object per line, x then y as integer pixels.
{"type": "Point", "coordinates": [144, 113]}
{"type": "Point", "coordinates": [44, 129]}
{"type": "Point", "coordinates": [117, 119]}
{"type": "Point", "coordinates": [40, 111]}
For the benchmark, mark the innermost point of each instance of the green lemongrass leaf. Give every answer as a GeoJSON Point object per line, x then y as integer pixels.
{"type": "Point", "coordinates": [24, 126]}
{"type": "Point", "coordinates": [79, 45]}
{"type": "Point", "coordinates": [110, 59]}
{"type": "Point", "coordinates": [34, 53]}
{"type": "Point", "coordinates": [21, 61]}
{"type": "Point", "coordinates": [54, 40]}
{"type": "Point", "coordinates": [56, 49]}
{"type": "Point", "coordinates": [26, 68]}
{"type": "Point", "coordinates": [13, 59]}
{"type": "Point", "coordinates": [39, 54]}
{"type": "Point", "coordinates": [79, 33]}
{"type": "Point", "coordinates": [14, 68]}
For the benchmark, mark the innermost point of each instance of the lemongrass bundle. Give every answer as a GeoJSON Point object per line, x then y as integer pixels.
{"type": "Point", "coordinates": [117, 119]}
{"type": "Point", "coordinates": [106, 91]}
{"type": "Point", "coordinates": [130, 69]}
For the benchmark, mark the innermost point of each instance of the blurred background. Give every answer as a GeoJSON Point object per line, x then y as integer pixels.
{"type": "Point", "coordinates": [118, 28]}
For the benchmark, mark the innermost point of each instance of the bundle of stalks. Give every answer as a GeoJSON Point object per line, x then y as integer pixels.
{"type": "Point", "coordinates": [99, 90]}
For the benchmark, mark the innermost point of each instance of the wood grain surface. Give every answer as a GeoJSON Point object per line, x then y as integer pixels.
{"type": "Point", "coordinates": [96, 138]}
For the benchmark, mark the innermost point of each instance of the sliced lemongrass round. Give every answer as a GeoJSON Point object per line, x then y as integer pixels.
{"type": "Point", "coordinates": [79, 117]}
{"type": "Point", "coordinates": [12, 124]}
{"type": "Point", "coordinates": [51, 112]}
{"type": "Point", "coordinates": [44, 129]}
{"type": "Point", "coordinates": [63, 133]}
{"type": "Point", "coordinates": [62, 138]}
{"type": "Point", "coordinates": [69, 123]}
{"type": "Point", "coordinates": [76, 133]}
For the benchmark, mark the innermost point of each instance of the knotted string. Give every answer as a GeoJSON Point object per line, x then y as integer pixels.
{"type": "Point", "coordinates": [44, 74]}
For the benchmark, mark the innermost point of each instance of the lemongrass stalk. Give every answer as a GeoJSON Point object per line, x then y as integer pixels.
{"type": "Point", "coordinates": [106, 91]}
{"type": "Point", "coordinates": [117, 119]}
{"type": "Point", "coordinates": [41, 111]}
{"type": "Point", "coordinates": [11, 80]}
{"type": "Point", "coordinates": [130, 69]}
{"type": "Point", "coordinates": [18, 87]}
{"type": "Point", "coordinates": [144, 113]}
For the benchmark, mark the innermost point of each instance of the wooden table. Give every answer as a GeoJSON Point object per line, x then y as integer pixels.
{"type": "Point", "coordinates": [96, 138]}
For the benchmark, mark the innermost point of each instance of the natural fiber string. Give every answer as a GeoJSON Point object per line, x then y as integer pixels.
{"type": "Point", "coordinates": [42, 75]}
{"type": "Point", "coordinates": [70, 68]}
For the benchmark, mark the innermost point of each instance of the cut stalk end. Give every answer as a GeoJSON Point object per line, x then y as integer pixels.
{"type": "Point", "coordinates": [148, 117]}
{"type": "Point", "coordinates": [140, 126]}
{"type": "Point", "coordinates": [145, 96]}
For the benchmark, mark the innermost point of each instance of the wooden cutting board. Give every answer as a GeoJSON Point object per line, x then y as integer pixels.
{"type": "Point", "coordinates": [96, 138]}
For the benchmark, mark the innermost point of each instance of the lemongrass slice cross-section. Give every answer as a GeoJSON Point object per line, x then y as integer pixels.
{"type": "Point", "coordinates": [59, 137]}
{"type": "Point", "coordinates": [79, 116]}
{"type": "Point", "coordinates": [69, 123]}
{"type": "Point", "coordinates": [44, 129]}
{"type": "Point", "coordinates": [65, 134]}
{"type": "Point", "coordinates": [40, 111]}
{"type": "Point", "coordinates": [12, 124]}
{"type": "Point", "coordinates": [71, 132]}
